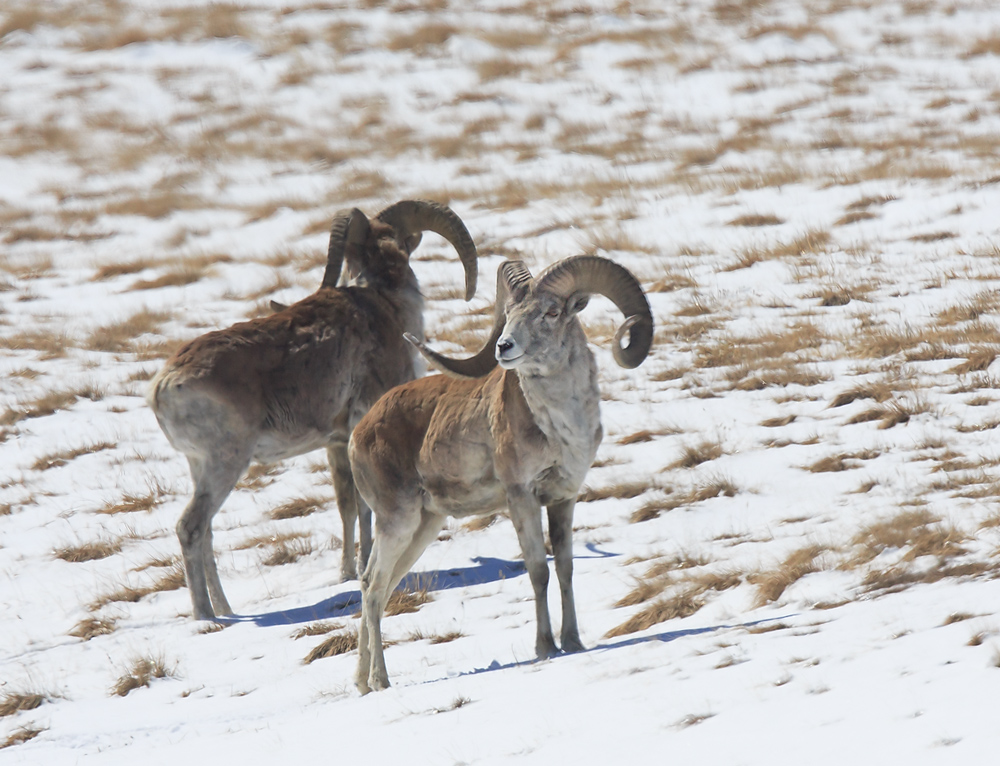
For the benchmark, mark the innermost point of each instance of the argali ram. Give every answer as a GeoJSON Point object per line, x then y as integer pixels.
{"type": "Point", "coordinates": [521, 435]}
{"type": "Point", "coordinates": [301, 378]}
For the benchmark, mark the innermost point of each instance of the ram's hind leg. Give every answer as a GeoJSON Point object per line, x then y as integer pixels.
{"type": "Point", "coordinates": [352, 509]}
{"type": "Point", "coordinates": [213, 481]}
{"type": "Point", "coordinates": [220, 604]}
{"type": "Point", "coordinates": [397, 547]}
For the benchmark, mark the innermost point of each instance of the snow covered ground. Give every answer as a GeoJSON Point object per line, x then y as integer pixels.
{"type": "Point", "coordinates": [787, 550]}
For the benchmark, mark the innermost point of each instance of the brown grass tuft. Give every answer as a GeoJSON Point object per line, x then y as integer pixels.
{"type": "Point", "coordinates": [94, 551]}
{"type": "Point", "coordinates": [62, 457]}
{"type": "Point", "coordinates": [316, 629]}
{"type": "Point", "coordinates": [670, 608]}
{"type": "Point", "coordinates": [478, 523]}
{"type": "Point", "coordinates": [295, 509]}
{"type": "Point", "coordinates": [880, 392]}
{"type": "Point", "coordinates": [259, 476]}
{"type": "Point", "coordinates": [917, 532]}
{"type": "Point", "coordinates": [406, 602]}
{"type": "Point", "coordinates": [20, 736]}
{"type": "Point", "coordinates": [756, 220]}
{"type": "Point", "coordinates": [287, 552]}
{"type": "Point", "coordinates": [622, 491]}
{"type": "Point", "coordinates": [125, 268]}
{"type": "Point", "coordinates": [121, 336]}
{"type": "Point", "coordinates": [49, 344]}
{"type": "Point", "coordinates": [15, 702]}
{"type": "Point", "coordinates": [771, 584]}
{"type": "Point", "coordinates": [339, 643]}
{"type": "Point", "coordinates": [133, 503]}
{"type": "Point", "coordinates": [653, 508]}
{"type": "Point", "coordinates": [188, 271]}
{"type": "Point", "coordinates": [695, 455]}
{"type": "Point", "coordinates": [141, 673]}
{"type": "Point", "coordinates": [48, 404]}
{"type": "Point", "coordinates": [778, 422]}
{"type": "Point", "coordinates": [647, 435]}
{"type": "Point", "coordinates": [977, 360]}
{"type": "Point", "coordinates": [446, 638]}
{"type": "Point", "coordinates": [92, 627]}
{"type": "Point", "coordinates": [843, 462]}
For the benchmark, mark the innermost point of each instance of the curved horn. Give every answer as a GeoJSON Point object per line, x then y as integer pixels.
{"type": "Point", "coordinates": [590, 274]}
{"type": "Point", "coordinates": [411, 217]}
{"type": "Point", "coordinates": [512, 277]}
{"type": "Point", "coordinates": [350, 227]}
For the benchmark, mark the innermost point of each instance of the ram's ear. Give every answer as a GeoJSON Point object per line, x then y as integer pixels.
{"type": "Point", "coordinates": [576, 303]}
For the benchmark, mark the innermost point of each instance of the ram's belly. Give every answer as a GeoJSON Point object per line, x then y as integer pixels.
{"type": "Point", "coordinates": [273, 445]}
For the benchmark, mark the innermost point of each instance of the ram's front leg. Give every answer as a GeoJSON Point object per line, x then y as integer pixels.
{"type": "Point", "coordinates": [561, 536]}
{"type": "Point", "coordinates": [526, 513]}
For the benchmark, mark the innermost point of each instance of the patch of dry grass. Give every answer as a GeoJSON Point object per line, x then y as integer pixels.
{"type": "Point", "coordinates": [674, 607]}
{"type": "Point", "coordinates": [296, 509]}
{"type": "Point", "coordinates": [479, 523]}
{"type": "Point", "coordinates": [288, 552]}
{"type": "Point", "coordinates": [713, 487]}
{"type": "Point", "coordinates": [48, 343]}
{"type": "Point", "coordinates": [62, 457]}
{"type": "Point", "coordinates": [92, 627]}
{"type": "Point", "coordinates": [446, 638]}
{"type": "Point", "coordinates": [772, 584]}
{"type": "Point", "coordinates": [341, 642]}
{"type": "Point", "coordinates": [141, 672]}
{"type": "Point", "coordinates": [268, 539]}
{"type": "Point", "coordinates": [918, 533]}
{"type": "Point", "coordinates": [123, 268]}
{"type": "Point", "coordinates": [120, 336]}
{"type": "Point", "coordinates": [750, 352]}
{"type": "Point", "coordinates": [648, 435]}
{"type": "Point", "coordinates": [316, 629]}
{"type": "Point", "coordinates": [93, 551]}
{"type": "Point", "coordinates": [891, 414]}
{"type": "Point", "coordinates": [20, 735]}
{"type": "Point", "coordinates": [693, 455]}
{"type": "Point", "coordinates": [133, 503]}
{"type": "Point", "coordinates": [755, 219]}
{"type": "Point", "coordinates": [190, 270]}
{"type": "Point", "coordinates": [879, 391]}
{"type": "Point", "coordinates": [977, 360]}
{"type": "Point", "coordinates": [14, 702]}
{"type": "Point", "coordinates": [172, 579]}
{"type": "Point", "coordinates": [811, 241]}
{"type": "Point", "coordinates": [622, 490]}
{"type": "Point", "coordinates": [842, 462]}
{"type": "Point", "coordinates": [779, 422]}
{"type": "Point", "coordinates": [406, 601]}
{"type": "Point", "coordinates": [50, 403]}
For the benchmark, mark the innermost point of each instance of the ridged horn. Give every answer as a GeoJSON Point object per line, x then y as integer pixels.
{"type": "Point", "coordinates": [591, 274]}
{"type": "Point", "coordinates": [413, 216]}
{"type": "Point", "coordinates": [512, 277]}
{"type": "Point", "coordinates": [350, 227]}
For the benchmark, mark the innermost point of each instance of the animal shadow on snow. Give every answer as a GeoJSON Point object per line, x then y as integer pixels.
{"type": "Point", "coordinates": [486, 569]}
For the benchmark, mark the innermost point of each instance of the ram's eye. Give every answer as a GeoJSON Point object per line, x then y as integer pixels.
{"type": "Point", "coordinates": [553, 312]}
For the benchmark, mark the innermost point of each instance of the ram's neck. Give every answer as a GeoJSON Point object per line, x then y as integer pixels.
{"type": "Point", "coordinates": [565, 404]}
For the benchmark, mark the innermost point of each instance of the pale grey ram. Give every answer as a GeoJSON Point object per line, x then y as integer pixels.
{"type": "Point", "coordinates": [520, 436]}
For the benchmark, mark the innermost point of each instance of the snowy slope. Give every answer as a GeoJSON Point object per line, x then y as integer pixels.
{"type": "Point", "coordinates": [796, 498]}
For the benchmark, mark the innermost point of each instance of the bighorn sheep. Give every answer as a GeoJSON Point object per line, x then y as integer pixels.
{"type": "Point", "coordinates": [523, 436]}
{"type": "Point", "coordinates": [301, 378]}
